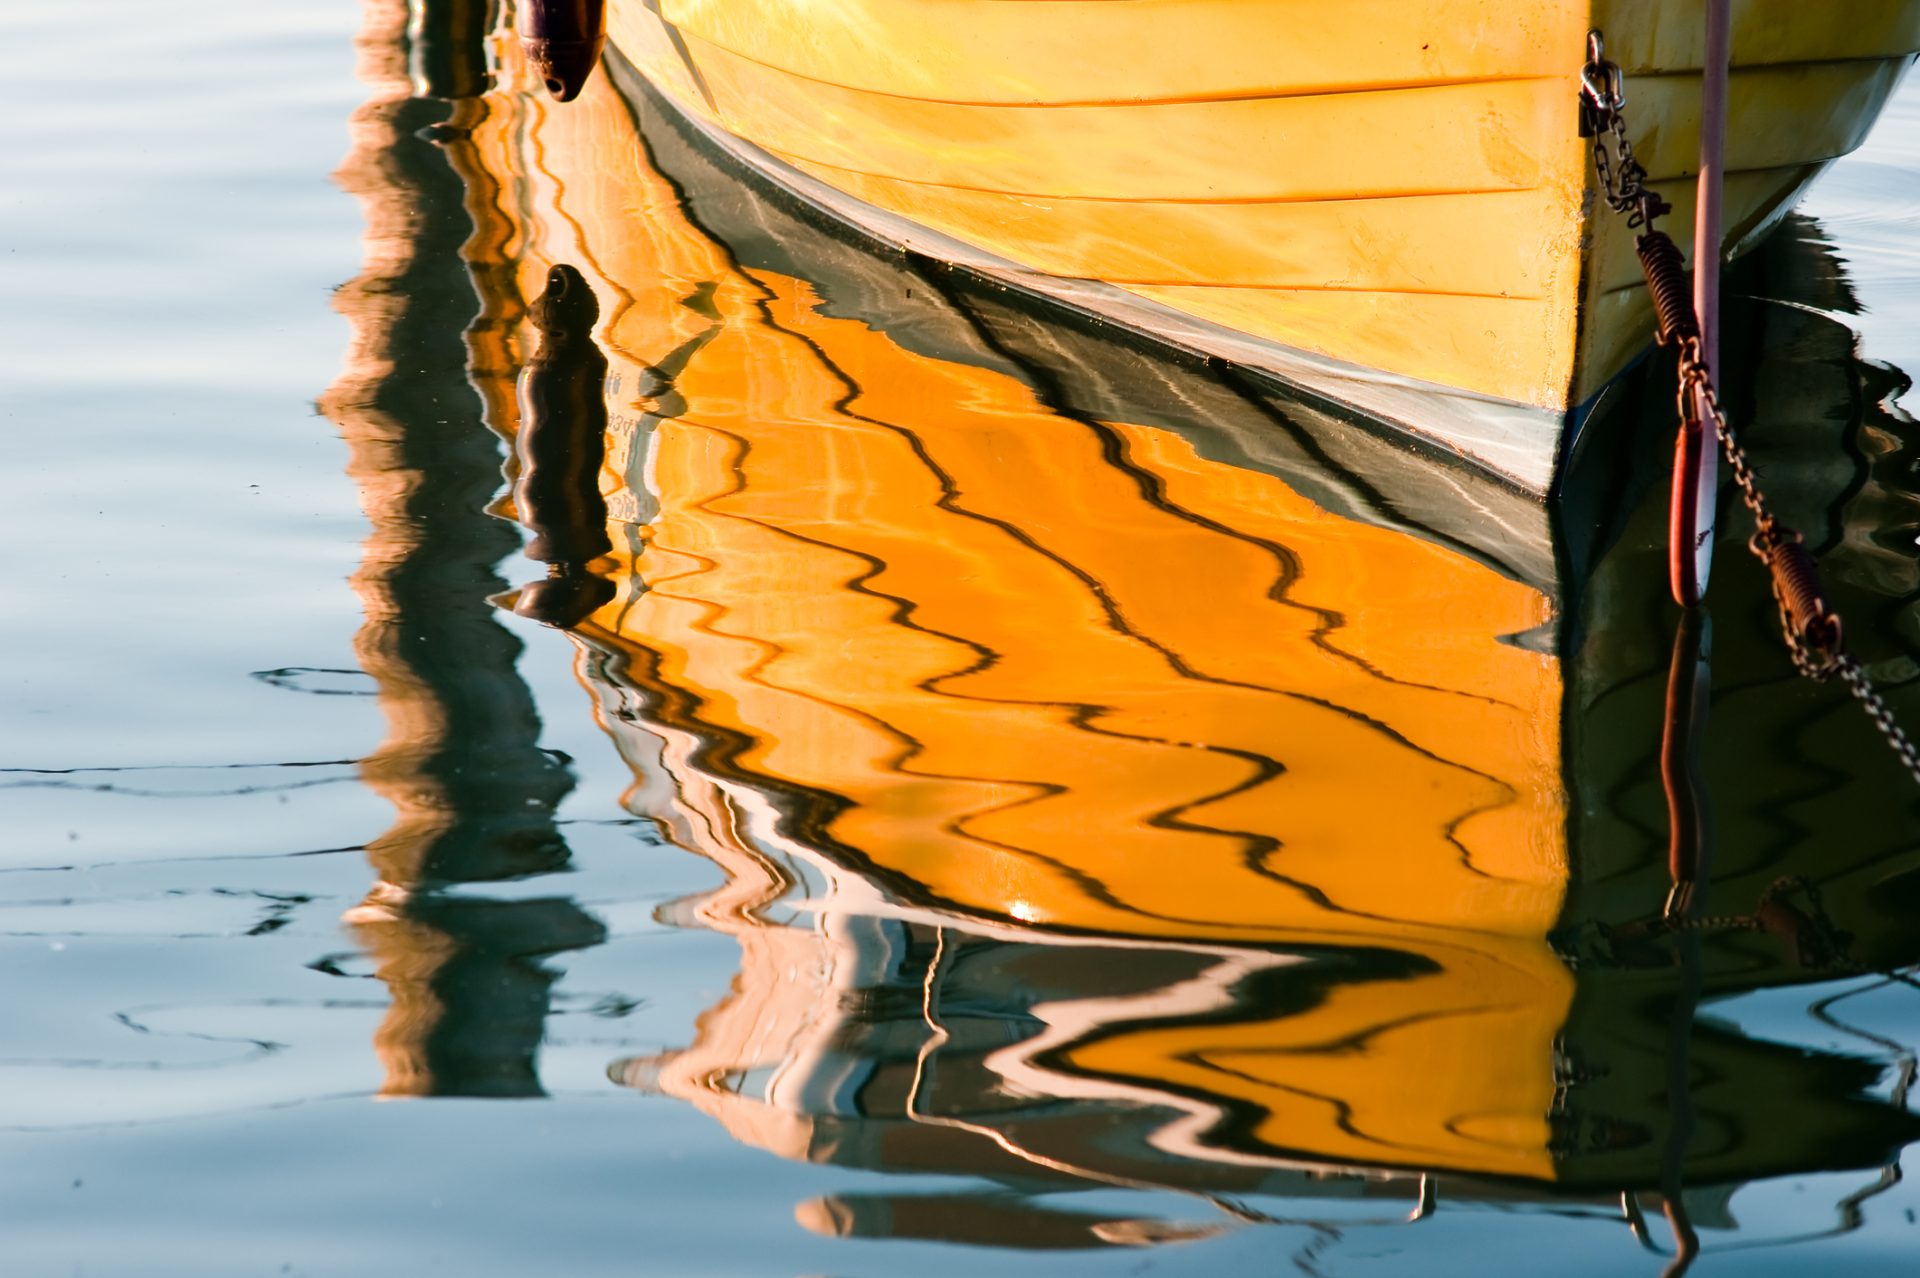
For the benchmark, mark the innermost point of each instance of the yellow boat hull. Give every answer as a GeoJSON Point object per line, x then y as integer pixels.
{"type": "Point", "coordinates": [1386, 202]}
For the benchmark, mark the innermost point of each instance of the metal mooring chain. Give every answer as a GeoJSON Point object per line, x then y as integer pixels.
{"type": "Point", "coordinates": [1807, 619]}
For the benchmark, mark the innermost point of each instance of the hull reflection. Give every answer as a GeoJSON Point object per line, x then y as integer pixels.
{"type": "Point", "coordinates": [474, 794]}
{"type": "Point", "coordinates": [1105, 801]}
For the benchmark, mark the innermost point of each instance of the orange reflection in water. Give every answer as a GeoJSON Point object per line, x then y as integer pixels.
{"type": "Point", "coordinates": [1094, 808]}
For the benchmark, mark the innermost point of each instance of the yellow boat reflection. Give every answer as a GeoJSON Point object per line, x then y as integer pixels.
{"type": "Point", "coordinates": [1092, 805]}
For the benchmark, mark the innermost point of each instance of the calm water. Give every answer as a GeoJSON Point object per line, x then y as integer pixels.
{"type": "Point", "coordinates": [984, 796]}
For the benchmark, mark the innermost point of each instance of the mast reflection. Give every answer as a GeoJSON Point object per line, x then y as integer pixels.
{"type": "Point", "coordinates": [473, 791]}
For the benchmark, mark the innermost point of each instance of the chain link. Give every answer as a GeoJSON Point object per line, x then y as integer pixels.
{"type": "Point", "coordinates": [1624, 185]}
{"type": "Point", "coordinates": [1879, 711]}
{"type": "Point", "coordinates": [1807, 623]}
{"type": "Point", "coordinates": [1603, 100]}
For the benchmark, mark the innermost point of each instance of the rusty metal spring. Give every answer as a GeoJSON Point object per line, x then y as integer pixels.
{"type": "Point", "coordinates": [1797, 589]}
{"type": "Point", "coordinates": [1666, 272]}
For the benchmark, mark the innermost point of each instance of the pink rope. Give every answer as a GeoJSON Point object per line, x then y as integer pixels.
{"type": "Point", "coordinates": [1696, 462]}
